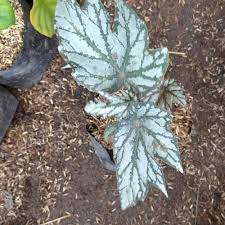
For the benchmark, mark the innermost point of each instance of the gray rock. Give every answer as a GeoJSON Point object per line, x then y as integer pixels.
{"type": "Point", "coordinates": [36, 54]}
{"type": "Point", "coordinates": [8, 105]}
{"type": "Point", "coordinates": [102, 154]}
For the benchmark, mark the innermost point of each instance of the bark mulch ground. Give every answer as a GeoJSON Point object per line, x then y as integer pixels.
{"type": "Point", "coordinates": [11, 39]}
{"type": "Point", "coordinates": [50, 173]}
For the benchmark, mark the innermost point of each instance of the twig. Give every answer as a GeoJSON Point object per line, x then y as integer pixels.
{"type": "Point", "coordinates": [196, 207]}
{"type": "Point", "coordinates": [58, 219]}
{"type": "Point", "coordinates": [178, 53]}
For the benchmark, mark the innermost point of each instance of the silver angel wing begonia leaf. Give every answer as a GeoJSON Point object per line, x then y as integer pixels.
{"type": "Point", "coordinates": [140, 135]}
{"type": "Point", "coordinates": [103, 59]}
{"type": "Point", "coordinates": [135, 152]}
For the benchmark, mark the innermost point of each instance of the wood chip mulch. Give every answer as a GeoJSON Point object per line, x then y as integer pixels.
{"type": "Point", "coordinates": [11, 39]}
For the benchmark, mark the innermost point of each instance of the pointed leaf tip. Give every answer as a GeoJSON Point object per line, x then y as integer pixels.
{"type": "Point", "coordinates": [164, 191]}
{"type": "Point", "coordinates": [180, 168]}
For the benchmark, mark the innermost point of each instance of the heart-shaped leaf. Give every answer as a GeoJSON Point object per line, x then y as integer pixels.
{"type": "Point", "coordinates": [106, 60]}
{"type": "Point", "coordinates": [42, 16]}
{"type": "Point", "coordinates": [7, 16]}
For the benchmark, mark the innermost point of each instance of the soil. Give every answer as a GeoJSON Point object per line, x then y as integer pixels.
{"type": "Point", "coordinates": [51, 171]}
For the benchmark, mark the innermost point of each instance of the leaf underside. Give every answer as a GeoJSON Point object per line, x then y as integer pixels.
{"type": "Point", "coordinates": [107, 61]}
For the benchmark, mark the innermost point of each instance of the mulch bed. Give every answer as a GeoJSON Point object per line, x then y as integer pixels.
{"type": "Point", "coordinates": [48, 171]}
{"type": "Point", "coordinates": [11, 40]}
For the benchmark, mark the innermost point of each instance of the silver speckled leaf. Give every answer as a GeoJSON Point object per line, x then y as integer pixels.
{"type": "Point", "coordinates": [140, 135]}
{"type": "Point", "coordinates": [103, 59]}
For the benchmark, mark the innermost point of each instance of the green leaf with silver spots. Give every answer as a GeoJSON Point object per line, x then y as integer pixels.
{"type": "Point", "coordinates": [103, 59]}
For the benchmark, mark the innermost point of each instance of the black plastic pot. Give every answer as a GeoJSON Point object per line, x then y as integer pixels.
{"type": "Point", "coordinates": [35, 56]}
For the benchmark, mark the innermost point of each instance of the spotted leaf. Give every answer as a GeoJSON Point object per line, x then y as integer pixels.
{"type": "Point", "coordinates": [103, 59]}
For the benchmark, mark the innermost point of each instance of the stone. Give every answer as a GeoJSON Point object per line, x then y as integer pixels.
{"type": "Point", "coordinates": [8, 106]}
{"type": "Point", "coordinates": [34, 58]}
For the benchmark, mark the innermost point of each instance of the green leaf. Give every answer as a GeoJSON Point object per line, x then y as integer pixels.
{"type": "Point", "coordinates": [106, 60]}
{"type": "Point", "coordinates": [7, 16]}
{"type": "Point", "coordinates": [171, 93]}
{"type": "Point", "coordinates": [42, 16]}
